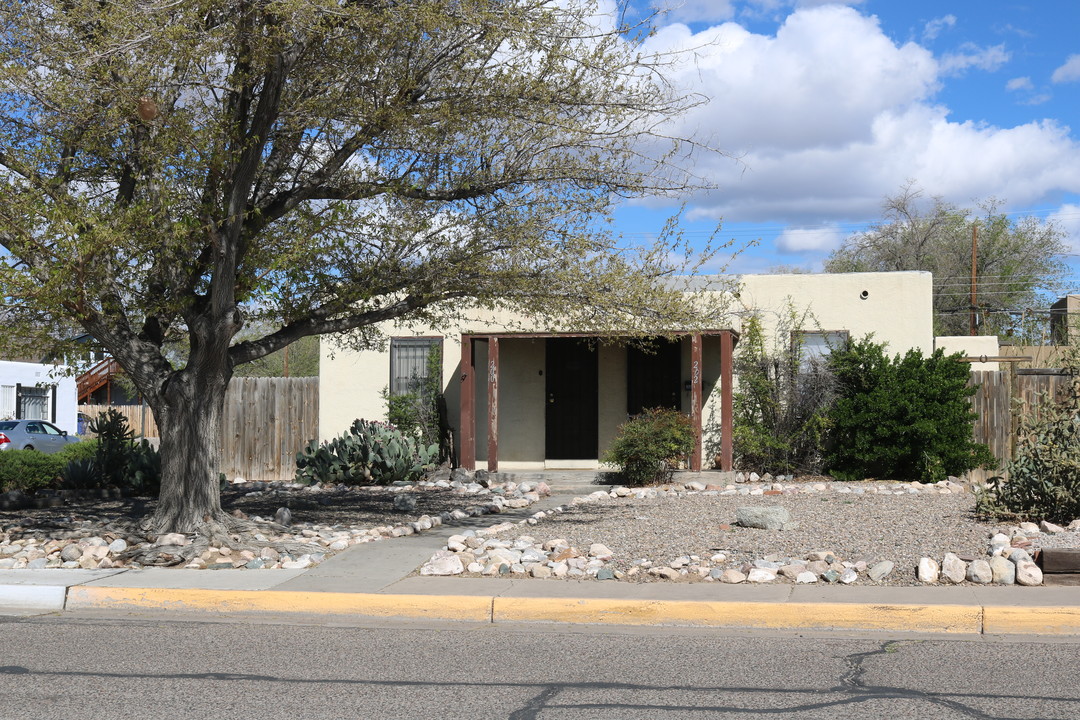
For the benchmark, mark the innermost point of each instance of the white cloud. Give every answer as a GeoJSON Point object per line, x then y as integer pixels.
{"type": "Point", "coordinates": [798, 240]}
{"type": "Point", "coordinates": [1069, 72]}
{"type": "Point", "coordinates": [687, 11]}
{"type": "Point", "coordinates": [1067, 217]}
{"type": "Point", "coordinates": [830, 115]}
{"type": "Point", "coordinates": [973, 56]}
{"type": "Point", "coordinates": [1020, 83]}
{"type": "Point", "coordinates": [935, 26]}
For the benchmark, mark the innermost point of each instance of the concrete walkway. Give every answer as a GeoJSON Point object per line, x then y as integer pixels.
{"type": "Point", "coordinates": [376, 580]}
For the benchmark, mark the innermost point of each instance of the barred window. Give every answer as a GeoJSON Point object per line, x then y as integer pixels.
{"type": "Point", "coordinates": [409, 363]}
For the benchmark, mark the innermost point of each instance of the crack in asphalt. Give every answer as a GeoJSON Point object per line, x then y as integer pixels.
{"type": "Point", "coordinates": [851, 690]}
{"type": "Point", "coordinates": [852, 687]}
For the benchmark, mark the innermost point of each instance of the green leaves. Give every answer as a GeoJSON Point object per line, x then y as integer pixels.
{"type": "Point", "coordinates": [908, 417]}
{"type": "Point", "coordinates": [651, 445]}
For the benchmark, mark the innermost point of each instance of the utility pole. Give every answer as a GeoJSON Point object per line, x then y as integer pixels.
{"type": "Point", "coordinates": [974, 265]}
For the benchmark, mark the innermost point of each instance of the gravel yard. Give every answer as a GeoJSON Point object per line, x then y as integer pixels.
{"type": "Point", "coordinates": [867, 522]}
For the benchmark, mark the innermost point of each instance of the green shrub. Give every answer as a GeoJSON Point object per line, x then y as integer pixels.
{"type": "Point", "coordinates": [83, 450]}
{"type": "Point", "coordinates": [370, 453]}
{"type": "Point", "coordinates": [1044, 478]}
{"type": "Point", "coordinates": [780, 420]}
{"type": "Point", "coordinates": [651, 445]}
{"type": "Point", "coordinates": [907, 417]}
{"type": "Point", "coordinates": [28, 470]}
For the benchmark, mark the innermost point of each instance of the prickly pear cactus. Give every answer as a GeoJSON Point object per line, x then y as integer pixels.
{"type": "Point", "coordinates": [370, 453]}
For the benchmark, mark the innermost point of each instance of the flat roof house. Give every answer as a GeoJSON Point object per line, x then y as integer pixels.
{"type": "Point", "coordinates": [529, 400]}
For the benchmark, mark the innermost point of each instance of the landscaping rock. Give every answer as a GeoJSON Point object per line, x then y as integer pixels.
{"type": "Point", "coordinates": [980, 572]}
{"type": "Point", "coordinates": [765, 518]}
{"type": "Point", "coordinates": [928, 570]}
{"type": "Point", "coordinates": [733, 577]}
{"type": "Point", "coordinates": [443, 562]}
{"type": "Point", "coordinates": [880, 571]}
{"type": "Point", "coordinates": [953, 569]}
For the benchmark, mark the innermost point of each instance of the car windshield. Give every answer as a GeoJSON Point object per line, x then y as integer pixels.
{"type": "Point", "coordinates": [8, 425]}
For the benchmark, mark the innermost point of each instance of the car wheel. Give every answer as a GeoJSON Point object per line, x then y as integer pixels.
{"type": "Point", "coordinates": [28, 447]}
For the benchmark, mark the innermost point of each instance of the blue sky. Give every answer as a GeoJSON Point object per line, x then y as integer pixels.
{"type": "Point", "coordinates": [831, 107]}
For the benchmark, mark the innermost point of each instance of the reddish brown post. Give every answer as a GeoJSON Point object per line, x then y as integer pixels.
{"type": "Point", "coordinates": [695, 399]}
{"type": "Point", "coordinates": [468, 405]}
{"type": "Point", "coordinates": [727, 347]}
{"type": "Point", "coordinates": [493, 404]}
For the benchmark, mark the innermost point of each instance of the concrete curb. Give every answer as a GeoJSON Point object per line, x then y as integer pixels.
{"type": "Point", "coordinates": [971, 619]}
{"type": "Point", "coordinates": [49, 598]}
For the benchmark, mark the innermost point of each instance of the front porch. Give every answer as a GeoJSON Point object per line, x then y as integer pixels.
{"type": "Point", "coordinates": [556, 401]}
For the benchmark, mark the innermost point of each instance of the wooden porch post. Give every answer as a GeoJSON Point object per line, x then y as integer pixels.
{"type": "Point", "coordinates": [468, 405]}
{"type": "Point", "coordinates": [695, 399]}
{"type": "Point", "coordinates": [727, 347]}
{"type": "Point", "coordinates": [493, 404]}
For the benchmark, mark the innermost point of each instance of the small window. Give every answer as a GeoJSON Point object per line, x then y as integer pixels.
{"type": "Point", "coordinates": [51, 429]}
{"type": "Point", "coordinates": [34, 428]}
{"type": "Point", "coordinates": [816, 346]}
{"type": "Point", "coordinates": [409, 359]}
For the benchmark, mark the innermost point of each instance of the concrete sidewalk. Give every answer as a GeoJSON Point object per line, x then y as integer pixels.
{"type": "Point", "coordinates": [376, 580]}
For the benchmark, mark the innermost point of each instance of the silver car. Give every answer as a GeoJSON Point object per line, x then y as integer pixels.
{"type": "Point", "coordinates": [33, 435]}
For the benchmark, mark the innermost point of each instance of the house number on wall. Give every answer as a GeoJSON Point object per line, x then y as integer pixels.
{"type": "Point", "coordinates": [491, 371]}
{"type": "Point", "coordinates": [697, 373]}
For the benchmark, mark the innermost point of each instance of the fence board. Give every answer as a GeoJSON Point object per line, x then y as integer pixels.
{"type": "Point", "coordinates": [994, 405]}
{"type": "Point", "coordinates": [265, 422]}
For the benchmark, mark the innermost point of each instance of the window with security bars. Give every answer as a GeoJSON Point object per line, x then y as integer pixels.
{"type": "Point", "coordinates": [409, 363]}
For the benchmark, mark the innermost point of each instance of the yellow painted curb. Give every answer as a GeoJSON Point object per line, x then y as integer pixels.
{"type": "Point", "coordinates": [794, 616]}
{"type": "Point", "coordinates": [1032, 620]}
{"type": "Point", "coordinates": [442, 607]}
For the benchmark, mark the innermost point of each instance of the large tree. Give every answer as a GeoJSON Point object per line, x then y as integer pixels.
{"type": "Point", "coordinates": [176, 170]}
{"type": "Point", "coordinates": [1019, 259]}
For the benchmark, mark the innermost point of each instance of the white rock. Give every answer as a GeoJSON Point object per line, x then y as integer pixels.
{"type": "Point", "coordinates": [733, 577]}
{"type": "Point", "coordinates": [928, 570]}
{"type": "Point", "coordinates": [600, 551]}
{"type": "Point", "coordinates": [806, 577]}
{"type": "Point", "coordinates": [1074, 526]}
{"type": "Point", "coordinates": [998, 543]}
{"type": "Point", "coordinates": [953, 569]}
{"type": "Point", "coordinates": [1029, 528]}
{"type": "Point", "coordinates": [171, 539]}
{"type": "Point", "coordinates": [761, 575]}
{"type": "Point", "coordinates": [1004, 572]}
{"type": "Point", "coordinates": [979, 571]}
{"type": "Point", "coordinates": [849, 576]}
{"type": "Point", "coordinates": [880, 570]}
{"type": "Point", "coordinates": [1027, 572]}
{"type": "Point", "coordinates": [443, 562]}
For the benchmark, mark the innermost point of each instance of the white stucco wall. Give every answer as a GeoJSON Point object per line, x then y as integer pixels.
{"type": "Point", "coordinates": [971, 346]}
{"type": "Point", "coordinates": [35, 375]}
{"type": "Point", "coordinates": [895, 307]}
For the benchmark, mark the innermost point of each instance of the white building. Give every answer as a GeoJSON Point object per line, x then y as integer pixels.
{"type": "Point", "coordinates": [31, 391]}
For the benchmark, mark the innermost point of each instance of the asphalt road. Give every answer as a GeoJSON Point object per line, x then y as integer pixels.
{"type": "Point", "coordinates": [172, 668]}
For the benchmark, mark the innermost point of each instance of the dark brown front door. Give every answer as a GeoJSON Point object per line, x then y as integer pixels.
{"type": "Point", "coordinates": [572, 417]}
{"type": "Point", "coordinates": [653, 376]}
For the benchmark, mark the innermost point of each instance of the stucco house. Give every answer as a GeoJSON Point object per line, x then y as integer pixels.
{"type": "Point", "coordinates": [35, 391]}
{"type": "Point", "coordinates": [520, 400]}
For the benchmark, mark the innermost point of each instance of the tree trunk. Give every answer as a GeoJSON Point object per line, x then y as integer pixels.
{"type": "Point", "coordinates": [189, 414]}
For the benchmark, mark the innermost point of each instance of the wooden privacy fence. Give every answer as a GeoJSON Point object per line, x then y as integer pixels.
{"type": "Point", "coordinates": [998, 416]}
{"type": "Point", "coordinates": [265, 423]}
